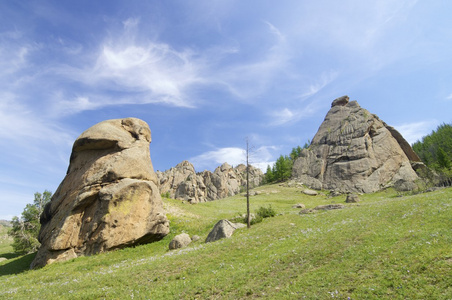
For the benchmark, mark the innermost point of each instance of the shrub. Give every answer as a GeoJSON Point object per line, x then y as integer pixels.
{"type": "Point", "coordinates": [266, 212]}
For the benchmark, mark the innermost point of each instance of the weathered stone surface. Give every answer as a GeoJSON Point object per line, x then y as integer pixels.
{"type": "Point", "coordinates": [223, 229]}
{"type": "Point", "coordinates": [299, 205]}
{"type": "Point", "coordinates": [195, 238]}
{"type": "Point", "coordinates": [3, 259]}
{"type": "Point", "coordinates": [352, 198]}
{"type": "Point", "coordinates": [310, 192]}
{"type": "Point", "coordinates": [109, 198]}
{"type": "Point", "coordinates": [180, 241]}
{"type": "Point", "coordinates": [182, 182]}
{"type": "Point", "coordinates": [354, 151]}
{"type": "Point", "coordinates": [329, 206]}
{"type": "Point", "coordinates": [321, 207]}
{"type": "Point", "coordinates": [334, 193]}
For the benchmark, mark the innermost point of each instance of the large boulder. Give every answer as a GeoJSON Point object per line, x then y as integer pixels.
{"type": "Point", "coordinates": [180, 241]}
{"type": "Point", "coordinates": [109, 198]}
{"type": "Point", "coordinates": [354, 151]}
{"type": "Point", "coordinates": [222, 229]}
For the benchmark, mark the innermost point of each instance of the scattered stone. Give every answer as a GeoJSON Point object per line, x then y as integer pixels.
{"type": "Point", "coordinates": [310, 192]}
{"type": "Point", "coordinates": [180, 241]}
{"type": "Point", "coordinates": [239, 225]}
{"type": "Point", "coordinates": [109, 198]}
{"type": "Point", "coordinates": [321, 207]}
{"type": "Point", "coordinates": [354, 151]}
{"type": "Point", "coordinates": [223, 229]}
{"type": "Point", "coordinates": [352, 198]}
{"type": "Point", "coordinates": [334, 193]}
{"type": "Point", "coordinates": [433, 189]}
{"type": "Point", "coordinates": [3, 259]}
{"type": "Point", "coordinates": [195, 238]}
{"type": "Point", "coordinates": [329, 206]}
{"type": "Point", "coordinates": [299, 205]}
{"type": "Point", "coordinates": [252, 217]}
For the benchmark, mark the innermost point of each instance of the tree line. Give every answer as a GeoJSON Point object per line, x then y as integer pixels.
{"type": "Point", "coordinates": [435, 150]}
{"type": "Point", "coordinates": [282, 168]}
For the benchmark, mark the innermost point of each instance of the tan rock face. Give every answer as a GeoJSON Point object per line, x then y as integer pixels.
{"type": "Point", "coordinates": [354, 151]}
{"type": "Point", "coordinates": [109, 198]}
{"type": "Point", "coordinates": [182, 182]}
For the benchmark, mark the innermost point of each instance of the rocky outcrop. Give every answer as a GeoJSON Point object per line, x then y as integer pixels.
{"type": "Point", "coordinates": [109, 198]}
{"type": "Point", "coordinates": [354, 151]}
{"type": "Point", "coordinates": [223, 229]}
{"type": "Point", "coordinates": [182, 182]}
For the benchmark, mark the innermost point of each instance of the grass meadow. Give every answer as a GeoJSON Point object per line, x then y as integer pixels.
{"type": "Point", "coordinates": [387, 246]}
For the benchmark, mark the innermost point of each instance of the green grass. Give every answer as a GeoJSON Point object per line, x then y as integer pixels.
{"type": "Point", "coordinates": [383, 247]}
{"type": "Point", "coordinates": [5, 242]}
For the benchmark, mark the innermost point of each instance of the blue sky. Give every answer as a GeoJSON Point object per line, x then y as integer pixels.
{"type": "Point", "coordinates": [205, 75]}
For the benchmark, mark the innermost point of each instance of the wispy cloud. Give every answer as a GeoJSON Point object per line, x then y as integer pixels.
{"type": "Point", "coordinates": [414, 132]}
{"type": "Point", "coordinates": [316, 86]}
{"type": "Point", "coordinates": [148, 73]}
{"type": "Point", "coordinates": [249, 79]}
{"type": "Point", "coordinates": [282, 116]}
{"type": "Point", "coordinates": [290, 116]}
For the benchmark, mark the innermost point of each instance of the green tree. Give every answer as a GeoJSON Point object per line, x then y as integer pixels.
{"type": "Point", "coordinates": [435, 149]}
{"type": "Point", "coordinates": [25, 229]}
{"type": "Point", "coordinates": [283, 168]}
{"type": "Point", "coordinates": [443, 159]}
{"type": "Point", "coordinates": [268, 175]}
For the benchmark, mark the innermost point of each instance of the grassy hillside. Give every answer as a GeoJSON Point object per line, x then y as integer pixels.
{"type": "Point", "coordinates": [384, 247]}
{"type": "Point", "coordinates": [5, 240]}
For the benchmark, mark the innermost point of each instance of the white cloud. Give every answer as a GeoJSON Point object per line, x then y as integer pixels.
{"type": "Point", "coordinates": [289, 116]}
{"type": "Point", "coordinates": [282, 116]}
{"type": "Point", "coordinates": [211, 159]}
{"type": "Point", "coordinates": [315, 87]}
{"type": "Point", "coordinates": [259, 158]}
{"type": "Point", "coordinates": [414, 132]}
{"type": "Point", "coordinates": [131, 23]}
{"type": "Point", "coordinates": [449, 97]}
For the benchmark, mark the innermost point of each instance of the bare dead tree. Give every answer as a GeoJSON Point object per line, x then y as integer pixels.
{"type": "Point", "coordinates": [247, 185]}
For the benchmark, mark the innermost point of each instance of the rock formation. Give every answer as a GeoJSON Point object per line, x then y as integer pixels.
{"type": "Point", "coordinates": [354, 151]}
{"type": "Point", "coordinates": [182, 182]}
{"type": "Point", "coordinates": [109, 198]}
{"type": "Point", "coordinates": [180, 241]}
{"type": "Point", "coordinates": [223, 229]}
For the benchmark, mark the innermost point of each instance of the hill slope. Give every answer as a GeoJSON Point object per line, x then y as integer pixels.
{"type": "Point", "coordinates": [384, 247]}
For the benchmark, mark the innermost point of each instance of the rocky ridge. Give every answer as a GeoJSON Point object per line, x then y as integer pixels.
{"type": "Point", "coordinates": [182, 182]}
{"type": "Point", "coordinates": [355, 151]}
